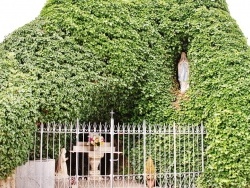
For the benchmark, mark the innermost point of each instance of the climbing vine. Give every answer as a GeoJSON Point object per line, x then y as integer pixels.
{"type": "Point", "coordinates": [82, 59]}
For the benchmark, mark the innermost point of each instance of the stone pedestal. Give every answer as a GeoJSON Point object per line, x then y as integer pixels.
{"type": "Point", "coordinates": [94, 161]}
{"type": "Point", "coordinates": [95, 154]}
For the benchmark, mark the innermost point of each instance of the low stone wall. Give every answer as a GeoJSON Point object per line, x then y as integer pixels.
{"type": "Point", "coordinates": [36, 174]}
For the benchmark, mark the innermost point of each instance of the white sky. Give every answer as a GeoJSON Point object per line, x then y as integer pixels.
{"type": "Point", "coordinates": [16, 13]}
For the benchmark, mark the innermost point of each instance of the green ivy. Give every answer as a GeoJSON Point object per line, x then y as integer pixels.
{"type": "Point", "coordinates": [80, 59]}
{"type": "Point", "coordinates": [18, 112]}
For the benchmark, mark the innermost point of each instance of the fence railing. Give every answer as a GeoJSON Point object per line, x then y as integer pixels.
{"type": "Point", "coordinates": [177, 153]}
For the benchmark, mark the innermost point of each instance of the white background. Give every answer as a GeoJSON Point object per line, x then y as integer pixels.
{"type": "Point", "coordinates": [16, 13]}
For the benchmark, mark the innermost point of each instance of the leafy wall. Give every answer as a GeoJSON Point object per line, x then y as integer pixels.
{"type": "Point", "coordinates": [17, 114]}
{"type": "Point", "coordinates": [88, 57]}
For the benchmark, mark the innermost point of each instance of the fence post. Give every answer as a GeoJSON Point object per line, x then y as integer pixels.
{"type": "Point", "coordinates": [41, 142]}
{"type": "Point", "coordinates": [112, 149]}
{"type": "Point", "coordinates": [175, 178]}
{"type": "Point", "coordinates": [144, 151]}
{"type": "Point", "coordinates": [41, 150]}
{"type": "Point", "coordinates": [202, 147]}
{"type": "Point", "coordinates": [77, 142]}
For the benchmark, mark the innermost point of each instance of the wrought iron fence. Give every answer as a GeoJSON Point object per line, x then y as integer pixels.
{"type": "Point", "coordinates": [120, 161]}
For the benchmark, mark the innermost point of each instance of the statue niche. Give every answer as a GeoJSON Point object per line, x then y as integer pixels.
{"type": "Point", "coordinates": [183, 73]}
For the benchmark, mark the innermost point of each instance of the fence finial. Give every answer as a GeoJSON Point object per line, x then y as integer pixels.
{"type": "Point", "coordinates": [112, 113]}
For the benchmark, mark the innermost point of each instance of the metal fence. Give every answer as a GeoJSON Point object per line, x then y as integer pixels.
{"type": "Point", "coordinates": [120, 161]}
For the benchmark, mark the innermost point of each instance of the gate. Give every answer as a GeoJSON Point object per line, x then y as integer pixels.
{"type": "Point", "coordinates": [124, 156]}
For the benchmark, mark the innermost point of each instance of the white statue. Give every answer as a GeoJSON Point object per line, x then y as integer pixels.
{"type": "Point", "coordinates": [61, 167]}
{"type": "Point", "coordinates": [183, 73]}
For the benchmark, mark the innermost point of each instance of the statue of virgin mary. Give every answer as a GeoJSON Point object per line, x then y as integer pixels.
{"type": "Point", "coordinates": [183, 73]}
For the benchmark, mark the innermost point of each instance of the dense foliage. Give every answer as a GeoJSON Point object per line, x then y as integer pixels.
{"type": "Point", "coordinates": [17, 113]}
{"type": "Point", "coordinates": [84, 58]}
